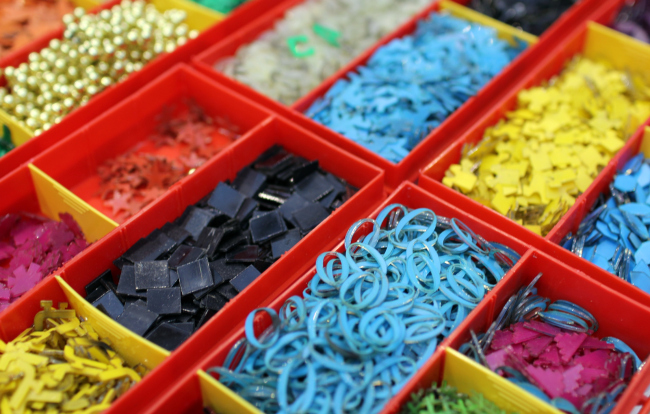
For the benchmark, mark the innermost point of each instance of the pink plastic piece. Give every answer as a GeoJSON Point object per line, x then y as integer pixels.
{"type": "Point", "coordinates": [572, 378]}
{"type": "Point", "coordinates": [521, 334]}
{"type": "Point", "coordinates": [548, 380]}
{"type": "Point", "coordinates": [501, 339]}
{"type": "Point", "coordinates": [497, 359]}
{"type": "Point", "coordinates": [550, 357]}
{"type": "Point", "coordinates": [568, 344]}
{"type": "Point", "coordinates": [32, 247]}
{"type": "Point", "coordinates": [596, 359]}
{"type": "Point", "coordinates": [595, 343]}
{"type": "Point", "coordinates": [542, 328]}
{"type": "Point", "coordinates": [538, 345]}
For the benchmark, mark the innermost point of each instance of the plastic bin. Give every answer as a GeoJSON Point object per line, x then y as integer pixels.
{"type": "Point", "coordinates": [29, 190]}
{"type": "Point", "coordinates": [99, 257]}
{"type": "Point", "coordinates": [406, 169]}
{"type": "Point", "coordinates": [593, 41]}
{"type": "Point", "coordinates": [132, 121]}
{"type": "Point", "coordinates": [180, 400]}
{"type": "Point", "coordinates": [616, 314]}
{"type": "Point", "coordinates": [132, 348]}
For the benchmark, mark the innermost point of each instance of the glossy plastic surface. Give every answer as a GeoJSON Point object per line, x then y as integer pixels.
{"type": "Point", "coordinates": [128, 126]}
{"type": "Point", "coordinates": [406, 169]}
{"type": "Point", "coordinates": [594, 41]}
{"type": "Point", "coordinates": [407, 194]}
{"type": "Point", "coordinates": [99, 257]}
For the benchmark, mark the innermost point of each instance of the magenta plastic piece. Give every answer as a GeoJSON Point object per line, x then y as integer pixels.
{"type": "Point", "coordinates": [32, 247]}
{"type": "Point", "coordinates": [537, 346]}
{"type": "Point", "coordinates": [568, 344]}
{"type": "Point", "coordinates": [501, 339]}
{"type": "Point", "coordinates": [521, 334]}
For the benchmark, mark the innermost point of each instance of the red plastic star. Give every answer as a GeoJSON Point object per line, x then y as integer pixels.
{"type": "Point", "coordinates": [118, 202]}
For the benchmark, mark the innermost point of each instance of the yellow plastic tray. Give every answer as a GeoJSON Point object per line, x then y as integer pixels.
{"type": "Point", "coordinates": [505, 31]}
{"type": "Point", "coordinates": [221, 399]}
{"type": "Point", "coordinates": [134, 349]}
{"type": "Point", "coordinates": [53, 199]}
{"type": "Point", "coordinates": [467, 376]}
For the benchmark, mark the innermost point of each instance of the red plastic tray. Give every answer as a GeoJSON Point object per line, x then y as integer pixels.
{"type": "Point", "coordinates": [395, 173]}
{"type": "Point", "coordinates": [113, 95]}
{"type": "Point", "coordinates": [132, 121]}
{"type": "Point", "coordinates": [461, 119]}
{"type": "Point", "coordinates": [185, 396]}
{"type": "Point", "coordinates": [99, 257]}
{"type": "Point", "coordinates": [617, 315]}
{"type": "Point", "coordinates": [431, 177]}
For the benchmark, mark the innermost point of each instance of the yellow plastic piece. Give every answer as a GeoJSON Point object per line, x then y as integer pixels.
{"type": "Point", "coordinates": [467, 376]}
{"type": "Point", "coordinates": [221, 399]}
{"type": "Point", "coordinates": [133, 348]}
{"type": "Point", "coordinates": [198, 17]}
{"type": "Point", "coordinates": [505, 31]}
{"type": "Point", "coordinates": [53, 199]}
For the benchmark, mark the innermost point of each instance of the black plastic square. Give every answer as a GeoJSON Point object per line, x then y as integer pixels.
{"type": "Point", "coordinates": [246, 254]}
{"type": "Point", "coordinates": [168, 336]}
{"type": "Point", "coordinates": [205, 316]}
{"type": "Point", "coordinates": [328, 200]}
{"type": "Point", "coordinates": [110, 304]}
{"type": "Point", "coordinates": [246, 210]}
{"type": "Point", "coordinates": [294, 203]}
{"type": "Point", "coordinates": [225, 270]}
{"type": "Point", "coordinates": [233, 240]}
{"type": "Point", "coordinates": [151, 275]}
{"type": "Point", "coordinates": [227, 291]}
{"type": "Point", "coordinates": [97, 282]}
{"type": "Point", "coordinates": [186, 326]}
{"type": "Point", "coordinates": [245, 278]}
{"type": "Point", "coordinates": [156, 245]}
{"type": "Point", "coordinates": [137, 318]}
{"type": "Point", "coordinates": [314, 187]}
{"type": "Point", "coordinates": [126, 285]}
{"type": "Point", "coordinates": [226, 199]}
{"type": "Point", "coordinates": [196, 219]}
{"type": "Point", "coordinates": [304, 171]}
{"type": "Point", "coordinates": [309, 217]}
{"type": "Point", "coordinates": [175, 232]}
{"type": "Point", "coordinates": [209, 239]}
{"type": "Point", "coordinates": [282, 245]}
{"type": "Point", "coordinates": [166, 301]}
{"type": "Point", "coordinates": [249, 181]}
{"type": "Point", "coordinates": [96, 294]}
{"type": "Point", "coordinates": [184, 255]}
{"type": "Point", "coordinates": [273, 161]}
{"type": "Point", "coordinates": [266, 227]}
{"type": "Point", "coordinates": [188, 306]}
{"type": "Point", "coordinates": [195, 276]}
{"type": "Point", "coordinates": [214, 301]}
{"type": "Point", "coordinates": [173, 277]}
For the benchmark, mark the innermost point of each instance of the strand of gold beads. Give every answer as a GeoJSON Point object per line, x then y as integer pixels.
{"type": "Point", "coordinates": [97, 51]}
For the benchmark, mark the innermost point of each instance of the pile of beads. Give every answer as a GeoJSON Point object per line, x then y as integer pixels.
{"type": "Point", "coordinates": [446, 399]}
{"type": "Point", "coordinates": [96, 52]}
{"type": "Point", "coordinates": [312, 42]}
{"type": "Point", "coordinates": [548, 348]}
{"type": "Point", "coordinates": [533, 164]}
{"type": "Point", "coordinates": [411, 85]}
{"type": "Point", "coordinates": [532, 16]}
{"type": "Point", "coordinates": [614, 235]}
{"type": "Point", "coordinates": [369, 317]}
{"type": "Point", "coordinates": [62, 365]}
